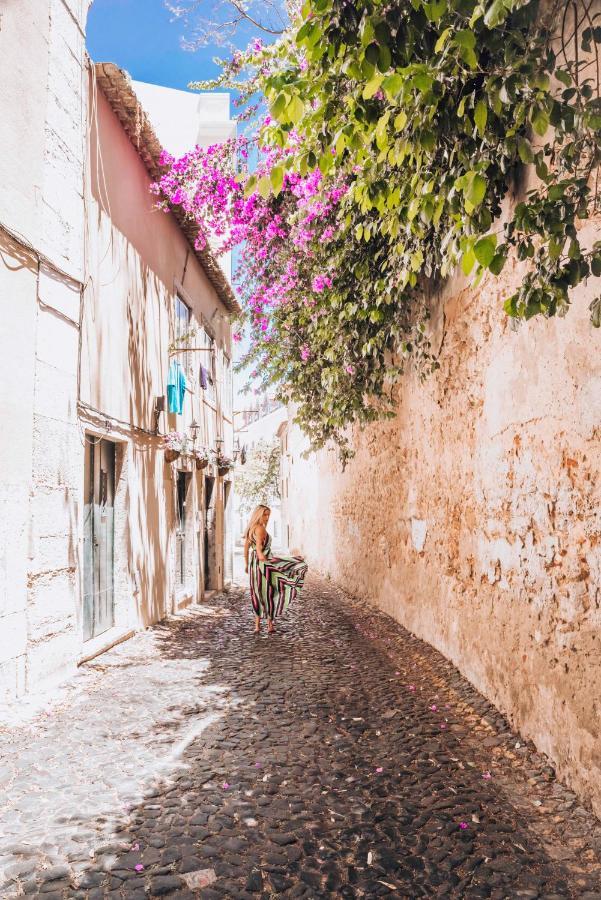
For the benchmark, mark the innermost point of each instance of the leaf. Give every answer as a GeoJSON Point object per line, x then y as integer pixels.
{"type": "Point", "coordinates": [596, 265]}
{"type": "Point", "coordinates": [497, 263]}
{"type": "Point", "coordinates": [595, 308]}
{"type": "Point", "coordinates": [525, 150]}
{"type": "Point", "coordinates": [495, 14]}
{"type": "Point", "coordinates": [540, 121]}
{"type": "Point", "coordinates": [392, 85]}
{"type": "Point", "coordinates": [442, 40]}
{"type": "Point", "coordinates": [484, 250]}
{"type": "Point", "coordinates": [465, 38]}
{"type": "Point", "coordinates": [295, 110]}
{"type": "Point", "coordinates": [480, 116]}
{"type": "Point", "coordinates": [326, 160]}
{"type": "Point", "coordinates": [276, 177]}
{"type": "Point", "coordinates": [511, 306]}
{"type": "Point", "coordinates": [400, 121]}
{"type": "Point", "coordinates": [372, 87]}
{"type": "Point", "coordinates": [264, 187]}
{"type": "Point", "coordinates": [467, 261]}
{"type": "Point", "coordinates": [423, 82]}
{"type": "Point", "coordinates": [475, 188]}
{"type": "Point", "coordinates": [384, 58]}
{"type": "Point", "coordinates": [279, 105]}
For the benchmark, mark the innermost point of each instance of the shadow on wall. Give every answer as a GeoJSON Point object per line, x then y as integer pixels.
{"type": "Point", "coordinates": [150, 516]}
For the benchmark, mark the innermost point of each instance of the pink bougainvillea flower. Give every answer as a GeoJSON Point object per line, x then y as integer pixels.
{"type": "Point", "coordinates": [433, 707]}
{"type": "Point", "coordinates": [135, 847]}
{"type": "Point", "coordinates": [139, 867]}
{"type": "Point", "coordinates": [411, 687]}
{"type": "Point", "coordinates": [380, 769]}
{"type": "Point", "coordinates": [443, 725]}
{"type": "Point", "coordinates": [486, 775]}
{"type": "Point", "coordinates": [463, 825]}
{"type": "Point", "coordinates": [257, 765]}
{"type": "Point", "coordinates": [225, 786]}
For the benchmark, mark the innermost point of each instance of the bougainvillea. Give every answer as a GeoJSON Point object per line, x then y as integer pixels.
{"type": "Point", "coordinates": [395, 131]}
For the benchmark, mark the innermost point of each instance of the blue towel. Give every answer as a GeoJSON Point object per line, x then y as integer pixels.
{"type": "Point", "coordinates": [176, 388]}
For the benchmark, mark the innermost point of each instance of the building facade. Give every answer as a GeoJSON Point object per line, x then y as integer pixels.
{"type": "Point", "coordinates": [101, 294]}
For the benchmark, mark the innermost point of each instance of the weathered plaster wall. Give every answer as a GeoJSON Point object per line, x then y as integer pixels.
{"type": "Point", "coordinates": [42, 150]}
{"type": "Point", "coordinates": [138, 259]}
{"type": "Point", "coordinates": [474, 516]}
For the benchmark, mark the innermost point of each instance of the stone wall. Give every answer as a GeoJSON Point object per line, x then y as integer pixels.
{"type": "Point", "coordinates": [42, 152]}
{"type": "Point", "coordinates": [474, 517]}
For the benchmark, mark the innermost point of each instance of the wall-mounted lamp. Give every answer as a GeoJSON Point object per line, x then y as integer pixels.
{"type": "Point", "coordinates": [194, 429]}
{"type": "Point", "coordinates": [159, 407]}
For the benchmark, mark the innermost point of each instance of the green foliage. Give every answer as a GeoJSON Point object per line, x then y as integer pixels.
{"type": "Point", "coordinates": [431, 112]}
{"type": "Point", "coordinates": [258, 480]}
{"type": "Point", "coordinates": [428, 111]}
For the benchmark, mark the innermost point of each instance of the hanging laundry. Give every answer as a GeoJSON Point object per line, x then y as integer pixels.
{"type": "Point", "coordinates": [204, 380]}
{"type": "Point", "coordinates": [176, 388]}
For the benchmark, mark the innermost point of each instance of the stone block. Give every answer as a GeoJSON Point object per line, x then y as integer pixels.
{"type": "Point", "coordinates": [55, 393]}
{"type": "Point", "coordinates": [57, 340]}
{"type": "Point", "coordinates": [13, 635]}
{"type": "Point", "coordinates": [51, 660]}
{"type": "Point", "coordinates": [13, 548]}
{"type": "Point", "coordinates": [53, 510]}
{"type": "Point", "coordinates": [57, 453]}
{"type": "Point", "coordinates": [51, 604]}
{"type": "Point", "coordinates": [9, 679]}
{"type": "Point", "coordinates": [59, 294]}
{"type": "Point", "coordinates": [53, 553]}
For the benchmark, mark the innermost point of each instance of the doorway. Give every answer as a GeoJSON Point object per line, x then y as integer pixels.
{"type": "Point", "coordinates": [181, 561]}
{"type": "Point", "coordinates": [99, 538]}
{"type": "Point", "coordinates": [209, 531]}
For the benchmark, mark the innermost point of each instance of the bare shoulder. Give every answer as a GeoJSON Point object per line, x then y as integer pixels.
{"type": "Point", "coordinates": [260, 531]}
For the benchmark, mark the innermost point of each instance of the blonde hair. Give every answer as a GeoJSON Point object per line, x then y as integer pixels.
{"type": "Point", "coordinates": [257, 513]}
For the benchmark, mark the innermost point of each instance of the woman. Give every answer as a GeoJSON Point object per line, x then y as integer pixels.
{"type": "Point", "coordinates": [274, 580]}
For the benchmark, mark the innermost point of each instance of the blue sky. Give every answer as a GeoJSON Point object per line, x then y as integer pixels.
{"type": "Point", "coordinates": [142, 37]}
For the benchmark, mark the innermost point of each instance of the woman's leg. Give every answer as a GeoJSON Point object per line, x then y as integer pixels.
{"type": "Point", "coordinates": [257, 624]}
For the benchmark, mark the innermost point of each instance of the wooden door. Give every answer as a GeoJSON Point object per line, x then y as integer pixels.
{"type": "Point", "coordinates": [99, 537]}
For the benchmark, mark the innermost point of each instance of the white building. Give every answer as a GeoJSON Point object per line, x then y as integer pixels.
{"type": "Point", "coordinates": [99, 536]}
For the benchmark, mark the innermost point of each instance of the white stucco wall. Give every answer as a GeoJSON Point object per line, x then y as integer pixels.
{"type": "Point", "coordinates": [42, 149]}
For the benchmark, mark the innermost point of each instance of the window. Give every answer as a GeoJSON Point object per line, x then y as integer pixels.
{"type": "Point", "coordinates": [183, 481]}
{"type": "Point", "coordinates": [182, 331]}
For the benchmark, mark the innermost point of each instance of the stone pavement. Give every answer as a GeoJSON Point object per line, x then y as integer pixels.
{"type": "Point", "coordinates": [340, 757]}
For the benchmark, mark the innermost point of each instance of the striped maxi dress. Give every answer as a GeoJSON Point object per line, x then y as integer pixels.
{"type": "Point", "coordinates": [275, 582]}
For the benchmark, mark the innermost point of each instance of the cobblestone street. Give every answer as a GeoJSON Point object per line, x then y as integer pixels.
{"type": "Point", "coordinates": [340, 757]}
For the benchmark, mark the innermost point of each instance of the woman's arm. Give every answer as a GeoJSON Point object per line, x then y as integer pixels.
{"type": "Point", "coordinates": [260, 535]}
{"type": "Point", "coordinates": [246, 546]}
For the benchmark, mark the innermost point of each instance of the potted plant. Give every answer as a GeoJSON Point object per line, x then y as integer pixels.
{"type": "Point", "coordinates": [173, 444]}
{"type": "Point", "coordinates": [223, 463]}
{"type": "Point", "coordinates": [201, 457]}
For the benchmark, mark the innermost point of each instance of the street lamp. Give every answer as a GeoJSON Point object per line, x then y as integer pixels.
{"type": "Point", "coordinates": [194, 429]}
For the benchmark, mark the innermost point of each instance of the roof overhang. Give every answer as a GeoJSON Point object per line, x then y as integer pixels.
{"type": "Point", "coordinates": [116, 85]}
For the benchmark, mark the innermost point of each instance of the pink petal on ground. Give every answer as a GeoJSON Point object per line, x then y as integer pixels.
{"type": "Point", "coordinates": [486, 775]}
{"type": "Point", "coordinates": [139, 867]}
{"type": "Point", "coordinates": [463, 825]}
{"type": "Point", "coordinates": [434, 707]}
{"type": "Point", "coordinates": [380, 769]}
{"type": "Point", "coordinates": [225, 785]}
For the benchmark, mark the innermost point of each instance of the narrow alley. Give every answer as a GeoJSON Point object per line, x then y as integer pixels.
{"type": "Point", "coordinates": [341, 757]}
